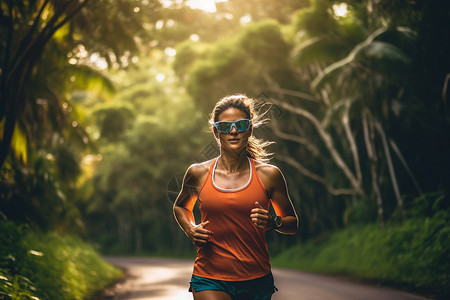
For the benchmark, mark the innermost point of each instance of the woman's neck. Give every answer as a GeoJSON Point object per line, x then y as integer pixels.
{"type": "Point", "coordinates": [232, 162]}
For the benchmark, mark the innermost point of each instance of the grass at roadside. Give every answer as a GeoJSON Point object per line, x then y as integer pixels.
{"type": "Point", "coordinates": [414, 254]}
{"type": "Point", "coordinates": [37, 265]}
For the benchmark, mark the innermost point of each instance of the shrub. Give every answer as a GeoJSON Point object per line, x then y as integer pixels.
{"type": "Point", "coordinates": [413, 253]}
{"type": "Point", "coordinates": [38, 265]}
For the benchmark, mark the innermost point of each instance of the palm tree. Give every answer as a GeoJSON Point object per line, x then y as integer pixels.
{"type": "Point", "coordinates": [45, 57]}
{"type": "Point", "coordinates": [110, 31]}
{"type": "Point", "coordinates": [367, 78]}
{"type": "Point", "coordinates": [21, 53]}
{"type": "Point", "coordinates": [350, 93]}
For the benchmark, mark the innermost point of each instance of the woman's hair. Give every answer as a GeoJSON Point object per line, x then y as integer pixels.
{"type": "Point", "coordinates": [255, 147]}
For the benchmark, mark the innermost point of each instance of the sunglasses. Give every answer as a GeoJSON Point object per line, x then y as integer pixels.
{"type": "Point", "coordinates": [226, 126]}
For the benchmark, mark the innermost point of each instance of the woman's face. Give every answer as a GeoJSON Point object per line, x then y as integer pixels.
{"type": "Point", "coordinates": [234, 140]}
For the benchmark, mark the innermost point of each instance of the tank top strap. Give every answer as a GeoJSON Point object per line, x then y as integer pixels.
{"type": "Point", "coordinates": [209, 175]}
{"type": "Point", "coordinates": [256, 178]}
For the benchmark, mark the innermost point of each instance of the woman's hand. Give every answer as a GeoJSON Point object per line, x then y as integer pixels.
{"type": "Point", "coordinates": [260, 216]}
{"type": "Point", "coordinates": [199, 235]}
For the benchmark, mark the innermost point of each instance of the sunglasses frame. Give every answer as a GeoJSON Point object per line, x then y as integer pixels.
{"type": "Point", "coordinates": [233, 124]}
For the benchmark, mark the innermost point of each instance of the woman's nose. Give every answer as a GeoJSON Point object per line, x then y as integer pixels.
{"type": "Point", "coordinates": [233, 129]}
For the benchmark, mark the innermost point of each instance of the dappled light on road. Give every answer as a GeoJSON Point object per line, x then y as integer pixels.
{"type": "Point", "coordinates": [164, 279]}
{"type": "Point", "coordinates": [151, 278]}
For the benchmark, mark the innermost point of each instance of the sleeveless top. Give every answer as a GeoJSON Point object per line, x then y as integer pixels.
{"type": "Point", "coordinates": [238, 249]}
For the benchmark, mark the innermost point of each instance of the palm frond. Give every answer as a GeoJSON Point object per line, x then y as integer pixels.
{"type": "Point", "coordinates": [86, 78]}
{"type": "Point", "coordinates": [318, 49]}
{"type": "Point", "coordinates": [331, 70]}
{"type": "Point", "coordinates": [19, 143]}
{"type": "Point", "coordinates": [383, 57]}
{"type": "Point", "coordinates": [377, 52]}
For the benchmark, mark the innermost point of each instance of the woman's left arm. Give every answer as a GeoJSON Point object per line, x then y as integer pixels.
{"type": "Point", "coordinates": [282, 204]}
{"type": "Point", "coordinates": [277, 191]}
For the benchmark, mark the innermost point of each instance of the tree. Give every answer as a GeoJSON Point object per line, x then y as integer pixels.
{"type": "Point", "coordinates": [66, 26]}
{"type": "Point", "coordinates": [50, 51]}
{"type": "Point", "coordinates": [346, 100]}
{"type": "Point", "coordinates": [360, 99]}
{"type": "Point", "coordinates": [238, 64]}
{"type": "Point", "coordinates": [129, 205]}
{"type": "Point", "coordinates": [20, 55]}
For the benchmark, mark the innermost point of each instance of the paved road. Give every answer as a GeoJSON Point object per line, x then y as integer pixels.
{"type": "Point", "coordinates": [168, 279]}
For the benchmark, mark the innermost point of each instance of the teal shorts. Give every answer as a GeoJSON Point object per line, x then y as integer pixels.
{"type": "Point", "coordinates": [256, 289]}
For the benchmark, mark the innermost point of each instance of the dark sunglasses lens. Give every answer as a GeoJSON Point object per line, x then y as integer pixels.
{"type": "Point", "coordinates": [242, 125]}
{"type": "Point", "coordinates": [224, 127]}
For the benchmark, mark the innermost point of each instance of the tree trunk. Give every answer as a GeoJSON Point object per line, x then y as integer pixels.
{"type": "Point", "coordinates": [138, 240]}
{"type": "Point", "coordinates": [387, 152]}
{"type": "Point", "coordinates": [405, 165]}
{"type": "Point", "coordinates": [369, 140]}
{"type": "Point", "coordinates": [351, 141]}
{"type": "Point", "coordinates": [298, 166]}
{"type": "Point", "coordinates": [328, 141]}
{"type": "Point", "coordinates": [15, 72]}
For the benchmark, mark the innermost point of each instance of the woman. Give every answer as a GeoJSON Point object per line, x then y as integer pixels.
{"type": "Point", "coordinates": [234, 192]}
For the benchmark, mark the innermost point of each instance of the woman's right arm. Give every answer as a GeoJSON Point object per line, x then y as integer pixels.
{"type": "Point", "coordinates": [184, 205]}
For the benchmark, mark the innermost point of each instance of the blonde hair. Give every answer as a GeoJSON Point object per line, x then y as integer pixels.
{"type": "Point", "coordinates": [255, 147]}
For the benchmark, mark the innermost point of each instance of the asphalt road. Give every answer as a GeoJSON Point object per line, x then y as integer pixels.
{"type": "Point", "coordinates": [168, 279]}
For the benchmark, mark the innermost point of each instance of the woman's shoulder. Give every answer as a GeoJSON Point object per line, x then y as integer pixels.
{"type": "Point", "coordinates": [199, 170]}
{"type": "Point", "coordinates": [196, 173]}
{"type": "Point", "coordinates": [266, 167]}
{"type": "Point", "coordinates": [271, 177]}
{"type": "Point", "coordinates": [268, 171]}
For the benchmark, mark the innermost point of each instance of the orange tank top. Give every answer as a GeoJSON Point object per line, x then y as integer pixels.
{"type": "Point", "coordinates": [238, 250]}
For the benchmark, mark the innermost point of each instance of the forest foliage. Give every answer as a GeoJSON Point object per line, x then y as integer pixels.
{"type": "Point", "coordinates": [411, 254]}
{"type": "Point", "coordinates": [37, 265]}
{"type": "Point", "coordinates": [104, 105]}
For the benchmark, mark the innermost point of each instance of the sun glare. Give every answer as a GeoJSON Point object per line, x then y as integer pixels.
{"type": "Point", "coordinates": [194, 37]}
{"type": "Point", "coordinates": [340, 10]}
{"type": "Point", "coordinates": [160, 77]}
{"type": "Point", "coordinates": [205, 5]}
{"type": "Point", "coordinates": [245, 19]}
{"type": "Point", "coordinates": [170, 52]}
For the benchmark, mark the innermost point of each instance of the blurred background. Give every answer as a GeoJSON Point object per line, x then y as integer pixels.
{"type": "Point", "coordinates": [104, 104]}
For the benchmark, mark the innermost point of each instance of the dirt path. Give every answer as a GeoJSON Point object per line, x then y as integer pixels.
{"type": "Point", "coordinates": [168, 279]}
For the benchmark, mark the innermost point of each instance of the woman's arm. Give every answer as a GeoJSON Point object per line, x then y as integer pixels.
{"type": "Point", "coordinates": [282, 204]}
{"type": "Point", "coordinates": [276, 187]}
{"type": "Point", "coordinates": [183, 207]}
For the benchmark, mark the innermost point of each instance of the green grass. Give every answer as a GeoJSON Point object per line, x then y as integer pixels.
{"type": "Point", "coordinates": [414, 254]}
{"type": "Point", "coordinates": [49, 266]}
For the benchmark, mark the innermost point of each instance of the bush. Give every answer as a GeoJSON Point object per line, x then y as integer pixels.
{"type": "Point", "coordinates": [363, 212]}
{"type": "Point", "coordinates": [49, 266]}
{"type": "Point", "coordinates": [414, 253]}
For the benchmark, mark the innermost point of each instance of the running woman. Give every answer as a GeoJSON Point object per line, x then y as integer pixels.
{"type": "Point", "coordinates": [234, 192]}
